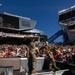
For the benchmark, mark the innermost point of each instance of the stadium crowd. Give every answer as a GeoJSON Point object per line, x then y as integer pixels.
{"type": "Point", "coordinates": [60, 53]}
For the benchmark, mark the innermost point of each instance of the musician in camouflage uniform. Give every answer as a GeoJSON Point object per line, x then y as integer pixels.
{"type": "Point", "coordinates": [49, 54]}
{"type": "Point", "coordinates": [33, 54]}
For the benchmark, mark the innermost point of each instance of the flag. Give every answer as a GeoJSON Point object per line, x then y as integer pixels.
{"type": "Point", "coordinates": [52, 30]}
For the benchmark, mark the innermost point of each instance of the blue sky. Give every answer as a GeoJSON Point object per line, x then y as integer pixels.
{"type": "Point", "coordinates": [45, 12]}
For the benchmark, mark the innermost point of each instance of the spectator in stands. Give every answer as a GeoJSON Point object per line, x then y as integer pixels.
{"type": "Point", "coordinates": [43, 53]}
{"type": "Point", "coordinates": [61, 53]}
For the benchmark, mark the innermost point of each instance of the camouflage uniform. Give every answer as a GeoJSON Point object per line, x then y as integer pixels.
{"type": "Point", "coordinates": [50, 58]}
{"type": "Point", "coordinates": [33, 55]}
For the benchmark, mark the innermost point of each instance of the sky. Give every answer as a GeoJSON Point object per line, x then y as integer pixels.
{"type": "Point", "coordinates": [45, 12]}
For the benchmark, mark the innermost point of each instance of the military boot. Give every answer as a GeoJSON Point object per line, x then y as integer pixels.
{"type": "Point", "coordinates": [51, 69]}
{"type": "Point", "coordinates": [33, 71]}
{"type": "Point", "coordinates": [57, 68]}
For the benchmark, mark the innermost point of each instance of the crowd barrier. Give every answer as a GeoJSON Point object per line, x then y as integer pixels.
{"type": "Point", "coordinates": [21, 65]}
{"type": "Point", "coordinates": [39, 65]}
{"type": "Point", "coordinates": [15, 62]}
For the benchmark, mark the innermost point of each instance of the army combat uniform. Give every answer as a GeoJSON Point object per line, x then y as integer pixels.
{"type": "Point", "coordinates": [49, 54]}
{"type": "Point", "coordinates": [33, 55]}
